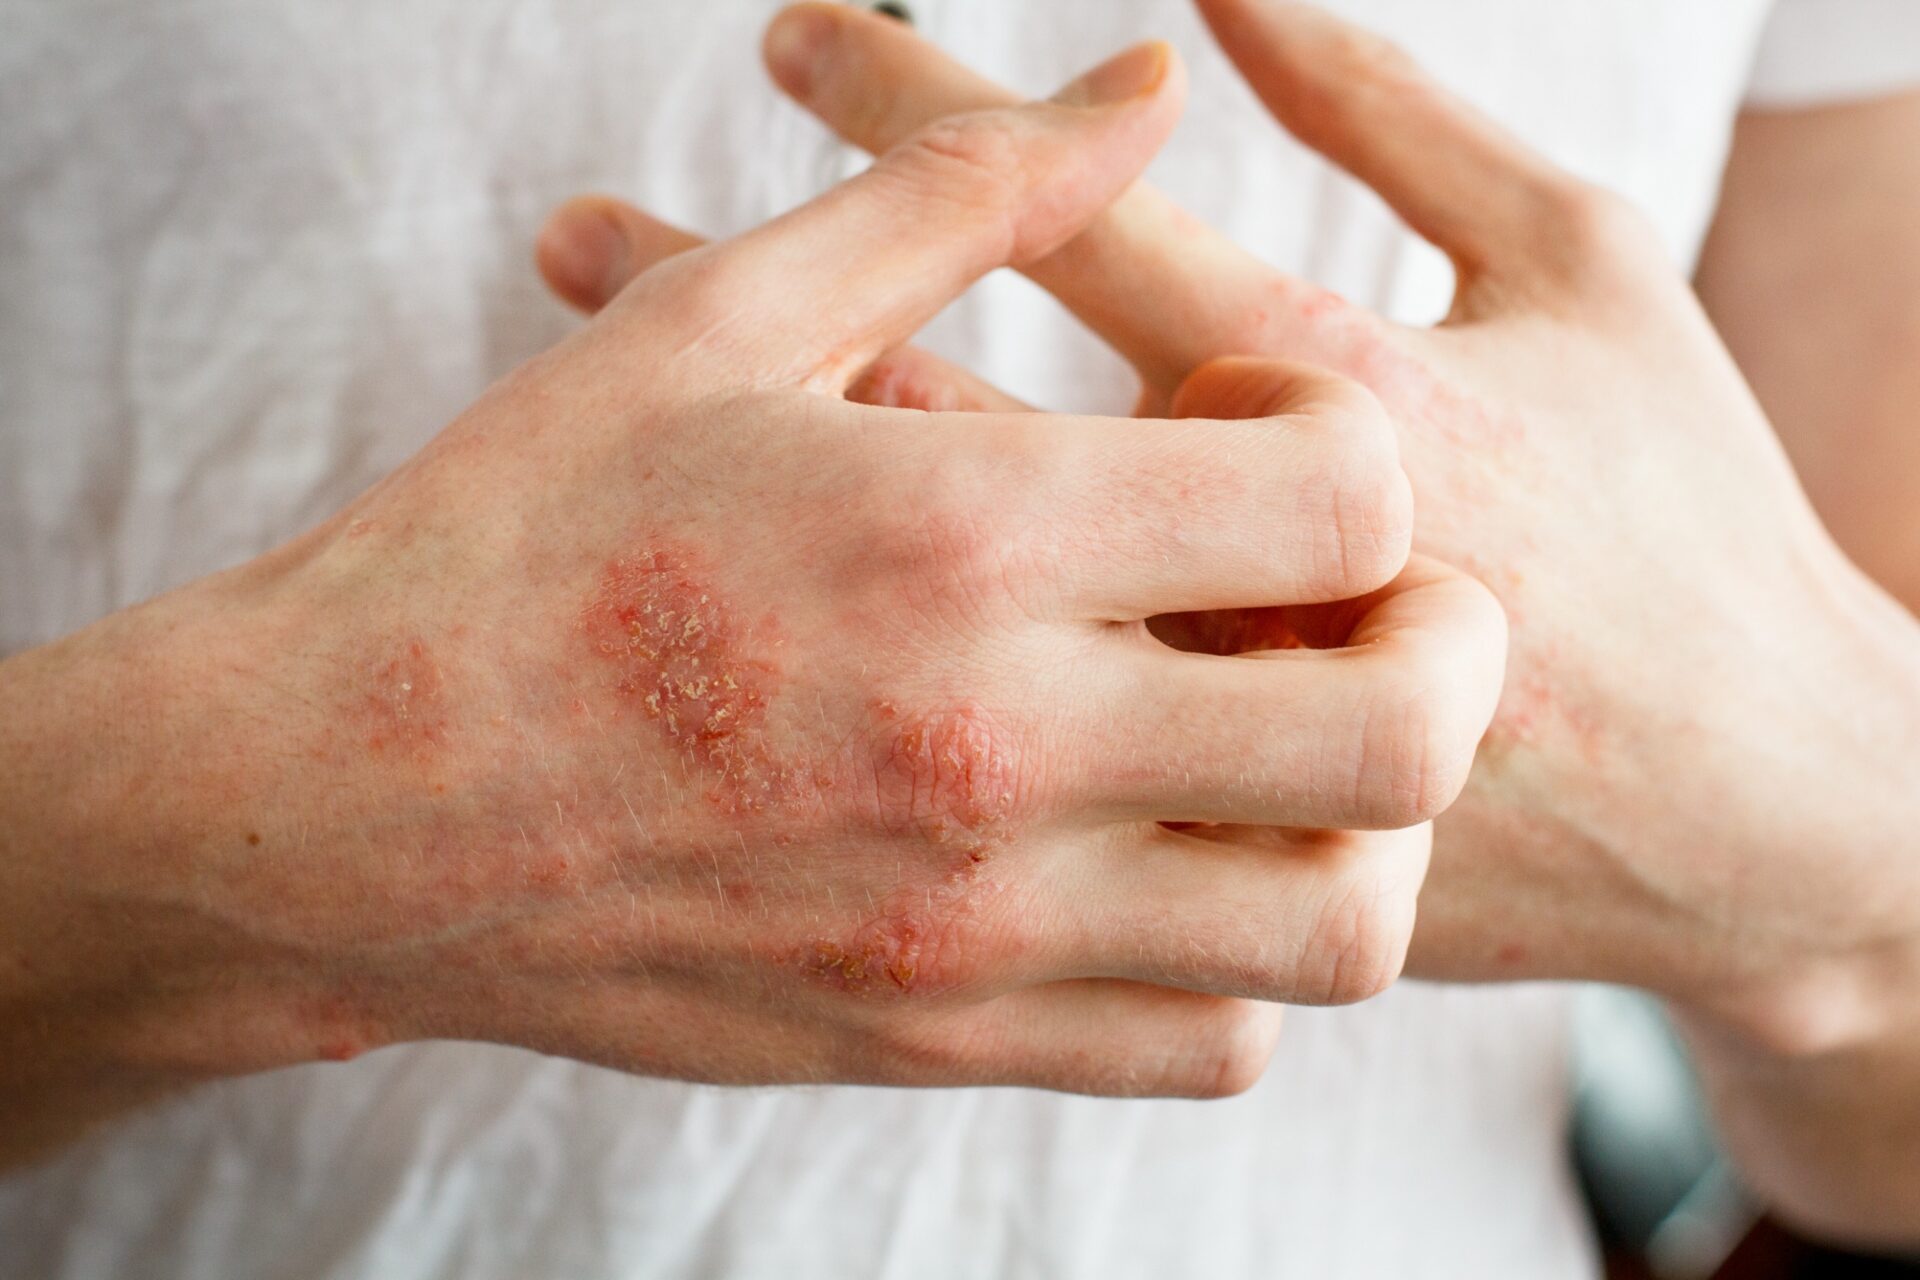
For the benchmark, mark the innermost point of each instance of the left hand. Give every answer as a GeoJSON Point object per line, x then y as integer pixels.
{"type": "Point", "coordinates": [1702, 775]}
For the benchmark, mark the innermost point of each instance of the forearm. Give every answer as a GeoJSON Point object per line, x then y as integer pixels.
{"type": "Point", "coordinates": [1810, 276]}
{"type": "Point", "coordinates": [111, 757]}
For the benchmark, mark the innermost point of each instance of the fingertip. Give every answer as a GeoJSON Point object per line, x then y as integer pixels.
{"type": "Point", "coordinates": [1138, 72]}
{"type": "Point", "coordinates": [795, 41]}
{"type": "Point", "coordinates": [581, 246]}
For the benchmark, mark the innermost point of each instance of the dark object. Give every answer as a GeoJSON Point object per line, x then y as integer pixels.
{"type": "Point", "coordinates": [895, 10]}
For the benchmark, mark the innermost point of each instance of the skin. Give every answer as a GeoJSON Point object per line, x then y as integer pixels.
{"type": "Point", "coordinates": [1701, 779]}
{"type": "Point", "coordinates": [1812, 275]}
{"type": "Point", "coordinates": [672, 712]}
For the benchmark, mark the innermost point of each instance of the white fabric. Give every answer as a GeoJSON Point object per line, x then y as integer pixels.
{"type": "Point", "coordinates": [254, 252]}
{"type": "Point", "coordinates": [1823, 51]}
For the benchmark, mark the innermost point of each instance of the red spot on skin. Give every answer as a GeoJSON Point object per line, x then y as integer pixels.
{"type": "Point", "coordinates": [1539, 711]}
{"type": "Point", "coordinates": [948, 776]}
{"type": "Point", "coordinates": [550, 872]}
{"type": "Point", "coordinates": [1319, 304]}
{"type": "Point", "coordinates": [1510, 955]}
{"type": "Point", "coordinates": [900, 949]}
{"type": "Point", "coordinates": [340, 1050]}
{"type": "Point", "coordinates": [681, 657]}
{"type": "Point", "coordinates": [405, 707]}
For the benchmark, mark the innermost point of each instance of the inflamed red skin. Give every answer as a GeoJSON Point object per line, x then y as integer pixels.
{"type": "Point", "coordinates": [1579, 441]}
{"type": "Point", "coordinates": [669, 711]}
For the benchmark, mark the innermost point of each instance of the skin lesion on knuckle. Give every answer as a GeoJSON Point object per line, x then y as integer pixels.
{"type": "Point", "coordinates": [952, 777]}
{"type": "Point", "coordinates": [921, 941]}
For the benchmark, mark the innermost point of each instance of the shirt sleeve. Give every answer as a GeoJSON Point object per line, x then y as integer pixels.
{"type": "Point", "coordinates": [1827, 51]}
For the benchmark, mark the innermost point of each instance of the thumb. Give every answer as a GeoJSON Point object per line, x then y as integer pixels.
{"type": "Point", "coordinates": [593, 246]}
{"type": "Point", "coordinates": [1494, 205]}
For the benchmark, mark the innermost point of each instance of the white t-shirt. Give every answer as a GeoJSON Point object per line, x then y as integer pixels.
{"type": "Point", "coordinates": [254, 253]}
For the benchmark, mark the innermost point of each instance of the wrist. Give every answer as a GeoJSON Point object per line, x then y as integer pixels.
{"type": "Point", "coordinates": [131, 760]}
{"type": "Point", "coordinates": [1831, 810]}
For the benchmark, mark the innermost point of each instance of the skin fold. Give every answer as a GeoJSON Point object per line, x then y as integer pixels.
{"type": "Point", "coordinates": [674, 712]}
{"type": "Point", "coordinates": [1702, 776]}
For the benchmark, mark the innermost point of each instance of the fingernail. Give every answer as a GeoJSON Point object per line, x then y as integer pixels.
{"type": "Point", "coordinates": [793, 47]}
{"type": "Point", "coordinates": [587, 251]}
{"type": "Point", "coordinates": [1133, 74]}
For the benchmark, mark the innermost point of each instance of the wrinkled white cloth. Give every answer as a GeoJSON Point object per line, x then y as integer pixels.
{"type": "Point", "coordinates": [254, 252]}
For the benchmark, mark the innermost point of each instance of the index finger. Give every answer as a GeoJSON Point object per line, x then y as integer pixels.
{"type": "Point", "coordinates": [815, 295]}
{"type": "Point", "coordinates": [1167, 291]}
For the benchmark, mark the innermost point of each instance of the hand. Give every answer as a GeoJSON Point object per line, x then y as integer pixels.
{"type": "Point", "coordinates": [670, 712]}
{"type": "Point", "coordinates": [1696, 779]}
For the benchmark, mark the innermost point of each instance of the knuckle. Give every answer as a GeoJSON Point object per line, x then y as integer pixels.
{"type": "Point", "coordinates": [1369, 507]}
{"type": "Point", "coordinates": [951, 777]}
{"type": "Point", "coordinates": [710, 289]}
{"type": "Point", "coordinates": [1367, 58]}
{"type": "Point", "coordinates": [1233, 1054]}
{"type": "Point", "coordinates": [1416, 746]}
{"type": "Point", "coordinates": [919, 943]}
{"type": "Point", "coordinates": [955, 546]}
{"type": "Point", "coordinates": [1359, 943]}
{"type": "Point", "coordinates": [1596, 233]}
{"type": "Point", "coordinates": [974, 163]}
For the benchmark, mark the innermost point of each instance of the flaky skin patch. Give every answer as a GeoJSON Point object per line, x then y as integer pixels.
{"type": "Point", "coordinates": [681, 657]}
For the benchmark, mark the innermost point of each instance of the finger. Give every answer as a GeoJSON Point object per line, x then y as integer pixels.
{"type": "Point", "coordinates": [1116, 1039]}
{"type": "Point", "coordinates": [1129, 518]}
{"type": "Point", "coordinates": [1164, 289]}
{"type": "Point", "coordinates": [1457, 178]}
{"type": "Point", "coordinates": [1321, 917]}
{"type": "Point", "coordinates": [593, 246]}
{"type": "Point", "coordinates": [909, 378]}
{"type": "Point", "coordinates": [815, 295]}
{"type": "Point", "coordinates": [1377, 733]}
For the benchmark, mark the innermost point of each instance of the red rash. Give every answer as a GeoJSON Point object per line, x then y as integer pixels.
{"type": "Point", "coordinates": [950, 778]}
{"type": "Point", "coordinates": [900, 950]}
{"type": "Point", "coordinates": [947, 776]}
{"type": "Point", "coordinates": [685, 660]}
{"type": "Point", "coordinates": [341, 1050]}
{"type": "Point", "coordinates": [406, 704]}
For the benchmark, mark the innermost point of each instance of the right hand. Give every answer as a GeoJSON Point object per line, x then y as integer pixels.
{"type": "Point", "coordinates": [670, 711]}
